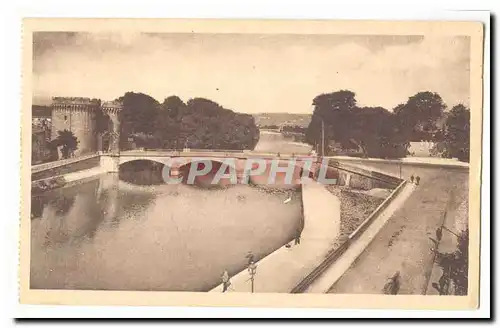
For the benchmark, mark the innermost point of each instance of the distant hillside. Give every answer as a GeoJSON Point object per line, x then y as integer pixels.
{"type": "Point", "coordinates": [41, 111]}
{"type": "Point", "coordinates": [266, 119]}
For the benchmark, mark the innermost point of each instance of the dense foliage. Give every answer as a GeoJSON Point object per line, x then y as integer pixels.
{"type": "Point", "coordinates": [138, 115]}
{"type": "Point", "coordinates": [200, 123]}
{"type": "Point", "coordinates": [374, 130]}
{"type": "Point", "coordinates": [418, 118]}
{"type": "Point", "coordinates": [455, 141]}
{"type": "Point", "coordinates": [455, 268]}
{"type": "Point", "coordinates": [378, 132]}
{"type": "Point", "coordinates": [67, 141]}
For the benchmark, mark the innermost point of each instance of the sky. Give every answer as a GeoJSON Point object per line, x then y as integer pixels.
{"type": "Point", "coordinates": [250, 73]}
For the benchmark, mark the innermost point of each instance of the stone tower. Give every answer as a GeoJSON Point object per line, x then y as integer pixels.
{"type": "Point", "coordinates": [77, 115]}
{"type": "Point", "coordinates": [112, 109]}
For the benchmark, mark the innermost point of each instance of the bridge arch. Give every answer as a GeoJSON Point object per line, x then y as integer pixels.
{"type": "Point", "coordinates": [143, 171]}
{"type": "Point", "coordinates": [161, 160]}
{"type": "Point", "coordinates": [207, 179]}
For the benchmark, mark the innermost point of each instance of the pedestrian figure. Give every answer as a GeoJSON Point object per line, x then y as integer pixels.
{"type": "Point", "coordinates": [225, 281]}
{"type": "Point", "coordinates": [418, 180]}
{"type": "Point", "coordinates": [412, 178]}
{"type": "Point", "coordinates": [392, 286]}
{"type": "Point", "coordinates": [439, 233]}
{"type": "Point", "coordinates": [297, 237]}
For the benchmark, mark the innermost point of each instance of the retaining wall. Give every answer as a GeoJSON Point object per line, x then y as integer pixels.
{"type": "Point", "coordinates": [47, 170]}
{"type": "Point", "coordinates": [407, 161]}
{"type": "Point", "coordinates": [334, 255]}
{"type": "Point", "coordinates": [362, 178]}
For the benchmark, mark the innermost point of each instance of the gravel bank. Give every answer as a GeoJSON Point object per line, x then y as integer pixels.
{"type": "Point", "coordinates": [354, 209]}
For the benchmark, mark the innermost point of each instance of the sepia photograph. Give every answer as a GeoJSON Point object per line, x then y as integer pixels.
{"type": "Point", "coordinates": [220, 160]}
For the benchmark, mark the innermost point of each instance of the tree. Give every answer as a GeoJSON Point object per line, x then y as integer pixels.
{"type": "Point", "coordinates": [200, 123]}
{"type": "Point", "coordinates": [455, 267]}
{"type": "Point", "coordinates": [375, 130]}
{"type": "Point", "coordinates": [210, 125]}
{"type": "Point", "coordinates": [174, 105]}
{"type": "Point", "coordinates": [138, 115]}
{"type": "Point", "coordinates": [334, 109]}
{"type": "Point", "coordinates": [456, 134]}
{"type": "Point", "coordinates": [67, 140]}
{"type": "Point", "coordinates": [419, 116]}
{"type": "Point", "coordinates": [168, 123]}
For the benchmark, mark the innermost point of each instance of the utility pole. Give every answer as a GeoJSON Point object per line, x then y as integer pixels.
{"type": "Point", "coordinates": [322, 138]}
{"type": "Point", "coordinates": [252, 270]}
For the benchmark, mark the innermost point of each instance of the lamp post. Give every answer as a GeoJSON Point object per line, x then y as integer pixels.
{"type": "Point", "coordinates": [252, 270]}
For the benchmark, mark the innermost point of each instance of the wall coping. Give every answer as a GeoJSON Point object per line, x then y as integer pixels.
{"type": "Point", "coordinates": [415, 161]}
{"type": "Point", "coordinates": [325, 264]}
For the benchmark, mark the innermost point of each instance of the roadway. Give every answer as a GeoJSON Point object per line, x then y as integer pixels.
{"type": "Point", "coordinates": [404, 242]}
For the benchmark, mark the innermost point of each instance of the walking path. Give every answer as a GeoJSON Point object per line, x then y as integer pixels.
{"type": "Point", "coordinates": [404, 243]}
{"type": "Point", "coordinates": [280, 271]}
{"type": "Point", "coordinates": [342, 264]}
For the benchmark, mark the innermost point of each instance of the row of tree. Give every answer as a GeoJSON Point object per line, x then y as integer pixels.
{"type": "Point", "coordinates": [199, 123]}
{"type": "Point", "coordinates": [378, 132]}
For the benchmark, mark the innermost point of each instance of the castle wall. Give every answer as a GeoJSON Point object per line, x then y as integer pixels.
{"type": "Point", "coordinates": [78, 116]}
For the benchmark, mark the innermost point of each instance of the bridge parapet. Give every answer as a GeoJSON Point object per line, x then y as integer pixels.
{"type": "Point", "coordinates": [215, 153]}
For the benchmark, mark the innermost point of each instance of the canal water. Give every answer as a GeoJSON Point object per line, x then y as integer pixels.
{"type": "Point", "coordinates": [108, 234]}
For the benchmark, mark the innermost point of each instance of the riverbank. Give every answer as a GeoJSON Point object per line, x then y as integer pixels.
{"type": "Point", "coordinates": [283, 269]}
{"type": "Point", "coordinates": [65, 180]}
{"type": "Point", "coordinates": [96, 235]}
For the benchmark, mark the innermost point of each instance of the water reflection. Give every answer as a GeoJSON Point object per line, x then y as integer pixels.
{"type": "Point", "coordinates": [142, 172]}
{"type": "Point", "coordinates": [109, 234]}
{"type": "Point", "coordinates": [114, 235]}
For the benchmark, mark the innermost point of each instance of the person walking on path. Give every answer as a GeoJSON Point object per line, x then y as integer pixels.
{"type": "Point", "coordinates": [393, 285]}
{"type": "Point", "coordinates": [297, 237]}
{"type": "Point", "coordinates": [412, 178]}
{"type": "Point", "coordinates": [225, 281]}
{"type": "Point", "coordinates": [417, 180]}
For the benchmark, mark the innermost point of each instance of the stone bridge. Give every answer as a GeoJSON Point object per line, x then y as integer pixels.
{"type": "Point", "coordinates": [241, 163]}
